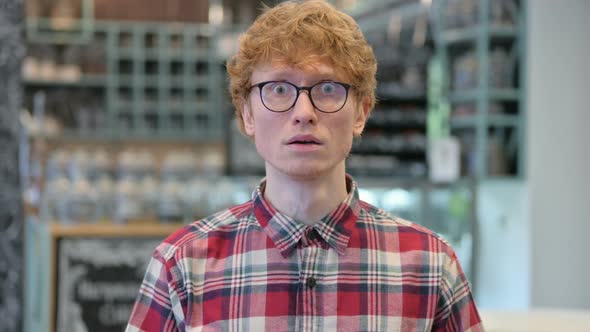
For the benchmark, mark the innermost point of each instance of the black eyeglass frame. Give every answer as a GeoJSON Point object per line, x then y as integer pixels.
{"type": "Point", "coordinates": [299, 89]}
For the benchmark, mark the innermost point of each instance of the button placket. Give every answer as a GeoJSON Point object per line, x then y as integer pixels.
{"type": "Point", "coordinates": [312, 257]}
{"type": "Point", "coordinates": [312, 265]}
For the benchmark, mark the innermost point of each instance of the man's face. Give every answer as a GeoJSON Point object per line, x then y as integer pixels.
{"type": "Point", "coordinates": [302, 142]}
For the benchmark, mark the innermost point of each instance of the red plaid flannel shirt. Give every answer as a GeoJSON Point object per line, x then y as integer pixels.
{"type": "Point", "coordinates": [251, 268]}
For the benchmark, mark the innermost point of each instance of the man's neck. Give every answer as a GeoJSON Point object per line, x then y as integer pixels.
{"type": "Point", "coordinates": [306, 200]}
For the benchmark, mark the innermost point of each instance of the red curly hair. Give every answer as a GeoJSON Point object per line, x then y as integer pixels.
{"type": "Point", "coordinates": [298, 33]}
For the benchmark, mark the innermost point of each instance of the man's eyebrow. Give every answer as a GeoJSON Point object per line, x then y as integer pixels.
{"type": "Point", "coordinates": [286, 76]}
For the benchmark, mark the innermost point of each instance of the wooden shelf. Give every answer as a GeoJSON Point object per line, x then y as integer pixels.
{"type": "Point", "coordinates": [470, 34]}
{"type": "Point", "coordinates": [85, 81]}
{"type": "Point", "coordinates": [114, 230]}
{"type": "Point", "coordinates": [494, 94]}
{"type": "Point", "coordinates": [498, 120]}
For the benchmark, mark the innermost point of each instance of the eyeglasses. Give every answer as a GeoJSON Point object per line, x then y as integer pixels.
{"type": "Point", "coordinates": [281, 96]}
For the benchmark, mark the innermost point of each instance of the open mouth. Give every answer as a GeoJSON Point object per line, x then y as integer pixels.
{"type": "Point", "coordinates": [305, 142]}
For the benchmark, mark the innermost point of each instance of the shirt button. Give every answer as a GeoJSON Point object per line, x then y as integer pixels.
{"type": "Point", "coordinates": [313, 235]}
{"type": "Point", "coordinates": [310, 282]}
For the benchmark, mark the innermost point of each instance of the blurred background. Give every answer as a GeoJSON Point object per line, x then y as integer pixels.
{"type": "Point", "coordinates": [116, 128]}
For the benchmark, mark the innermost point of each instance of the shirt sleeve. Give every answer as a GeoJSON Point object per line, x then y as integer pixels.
{"type": "Point", "coordinates": [456, 310]}
{"type": "Point", "coordinates": [157, 306]}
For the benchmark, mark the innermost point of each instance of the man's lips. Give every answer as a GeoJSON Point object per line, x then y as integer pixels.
{"type": "Point", "coordinates": [304, 139]}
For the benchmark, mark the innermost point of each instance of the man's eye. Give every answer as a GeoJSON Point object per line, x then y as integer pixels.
{"type": "Point", "coordinates": [328, 88]}
{"type": "Point", "coordinates": [279, 89]}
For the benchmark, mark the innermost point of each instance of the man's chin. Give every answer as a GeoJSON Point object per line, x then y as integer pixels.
{"type": "Point", "coordinates": [306, 172]}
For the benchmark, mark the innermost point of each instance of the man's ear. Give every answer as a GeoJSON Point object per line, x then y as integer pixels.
{"type": "Point", "coordinates": [361, 116]}
{"type": "Point", "coordinates": [248, 119]}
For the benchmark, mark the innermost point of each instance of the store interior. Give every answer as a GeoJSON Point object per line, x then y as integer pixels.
{"type": "Point", "coordinates": [123, 131]}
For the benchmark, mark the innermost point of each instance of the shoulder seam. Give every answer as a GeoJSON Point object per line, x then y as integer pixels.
{"type": "Point", "coordinates": [200, 228]}
{"type": "Point", "coordinates": [400, 222]}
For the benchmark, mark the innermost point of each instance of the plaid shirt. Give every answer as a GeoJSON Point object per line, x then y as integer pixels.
{"type": "Point", "coordinates": [251, 268]}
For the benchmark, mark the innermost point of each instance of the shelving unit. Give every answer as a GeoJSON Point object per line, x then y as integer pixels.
{"type": "Point", "coordinates": [394, 143]}
{"type": "Point", "coordinates": [76, 31]}
{"type": "Point", "coordinates": [488, 113]}
{"type": "Point", "coordinates": [157, 80]}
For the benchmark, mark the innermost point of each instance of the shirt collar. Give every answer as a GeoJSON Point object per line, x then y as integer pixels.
{"type": "Point", "coordinates": [285, 232]}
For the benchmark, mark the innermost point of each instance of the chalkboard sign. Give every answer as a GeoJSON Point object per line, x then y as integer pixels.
{"type": "Point", "coordinates": [99, 280]}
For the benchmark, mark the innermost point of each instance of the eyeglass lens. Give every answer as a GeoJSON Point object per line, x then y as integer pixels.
{"type": "Point", "coordinates": [325, 96]}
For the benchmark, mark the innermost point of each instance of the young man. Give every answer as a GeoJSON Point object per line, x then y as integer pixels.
{"type": "Point", "coordinates": [305, 254]}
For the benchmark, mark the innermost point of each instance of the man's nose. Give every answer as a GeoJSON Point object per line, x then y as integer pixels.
{"type": "Point", "coordinates": [303, 110]}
